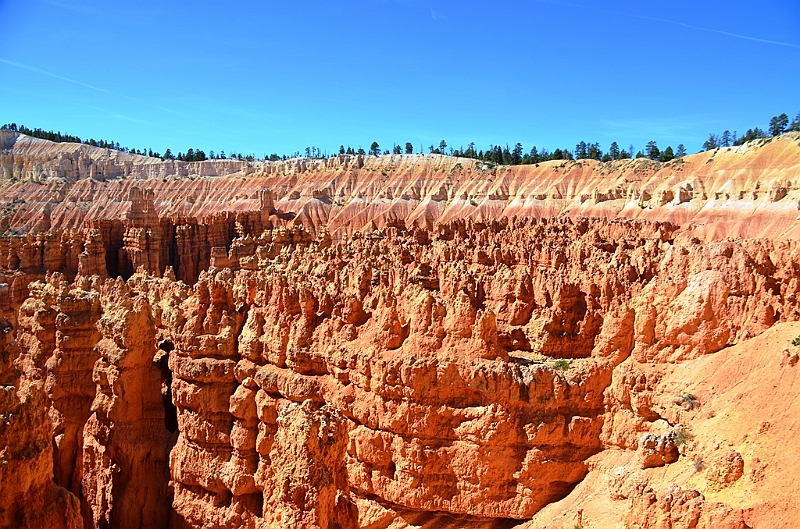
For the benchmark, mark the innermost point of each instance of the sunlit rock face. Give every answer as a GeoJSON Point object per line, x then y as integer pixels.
{"type": "Point", "coordinates": [407, 341]}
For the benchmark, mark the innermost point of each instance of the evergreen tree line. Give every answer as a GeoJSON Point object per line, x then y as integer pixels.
{"type": "Point", "coordinates": [495, 154]}
{"type": "Point", "coordinates": [50, 135]}
{"type": "Point", "coordinates": [777, 125]}
{"type": "Point", "coordinates": [198, 155]}
{"type": "Point", "coordinates": [190, 155]}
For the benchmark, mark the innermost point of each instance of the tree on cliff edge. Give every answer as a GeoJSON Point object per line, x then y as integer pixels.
{"type": "Point", "coordinates": [613, 151]}
{"type": "Point", "coordinates": [778, 124]}
{"type": "Point", "coordinates": [711, 143]}
{"type": "Point", "coordinates": [374, 149]}
{"type": "Point", "coordinates": [795, 126]}
{"type": "Point", "coordinates": [651, 150]}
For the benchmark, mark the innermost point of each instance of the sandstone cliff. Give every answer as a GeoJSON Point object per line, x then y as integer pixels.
{"type": "Point", "coordinates": [409, 341]}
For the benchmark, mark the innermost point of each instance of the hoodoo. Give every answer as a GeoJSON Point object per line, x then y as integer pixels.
{"type": "Point", "coordinates": [398, 341]}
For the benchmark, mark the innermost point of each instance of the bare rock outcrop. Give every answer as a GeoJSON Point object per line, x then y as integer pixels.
{"type": "Point", "coordinates": [676, 508]}
{"type": "Point", "coordinates": [658, 450]}
{"type": "Point", "coordinates": [726, 469]}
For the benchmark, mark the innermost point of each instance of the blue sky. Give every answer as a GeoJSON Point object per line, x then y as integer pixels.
{"type": "Point", "coordinates": [263, 77]}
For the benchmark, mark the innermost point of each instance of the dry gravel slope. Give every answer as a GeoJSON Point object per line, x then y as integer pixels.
{"type": "Point", "coordinates": [748, 402]}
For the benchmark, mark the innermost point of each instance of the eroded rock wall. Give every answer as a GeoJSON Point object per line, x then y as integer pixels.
{"type": "Point", "coordinates": [246, 367]}
{"type": "Point", "coordinates": [30, 497]}
{"type": "Point", "coordinates": [408, 371]}
{"type": "Point", "coordinates": [126, 440]}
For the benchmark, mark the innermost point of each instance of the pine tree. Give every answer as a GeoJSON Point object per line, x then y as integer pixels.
{"type": "Point", "coordinates": [470, 153]}
{"type": "Point", "coordinates": [516, 155]}
{"type": "Point", "coordinates": [711, 143]}
{"type": "Point", "coordinates": [613, 151]}
{"type": "Point", "coordinates": [778, 124]}
{"type": "Point", "coordinates": [666, 155]}
{"type": "Point", "coordinates": [581, 151]}
{"type": "Point", "coordinates": [795, 126]}
{"type": "Point", "coordinates": [595, 153]}
{"type": "Point", "coordinates": [651, 150]}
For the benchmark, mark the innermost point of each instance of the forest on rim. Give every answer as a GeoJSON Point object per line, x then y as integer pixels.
{"type": "Point", "coordinates": [495, 154]}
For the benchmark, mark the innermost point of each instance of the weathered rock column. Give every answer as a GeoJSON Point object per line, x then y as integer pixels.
{"type": "Point", "coordinates": [125, 457]}
{"type": "Point", "coordinates": [30, 499]}
{"type": "Point", "coordinates": [69, 383]}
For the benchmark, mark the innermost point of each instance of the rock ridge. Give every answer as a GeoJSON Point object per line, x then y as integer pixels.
{"type": "Point", "coordinates": [748, 191]}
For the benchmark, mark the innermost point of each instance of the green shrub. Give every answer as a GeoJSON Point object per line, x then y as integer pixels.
{"type": "Point", "coordinates": [561, 365]}
{"type": "Point", "coordinates": [682, 436]}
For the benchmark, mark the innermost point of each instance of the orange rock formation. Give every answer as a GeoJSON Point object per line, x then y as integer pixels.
{"type": "Point", "coordinates": [408, 341]}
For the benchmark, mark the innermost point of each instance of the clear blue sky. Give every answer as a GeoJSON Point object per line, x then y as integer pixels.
{"type": "Point", "coordinates": [270, 76]}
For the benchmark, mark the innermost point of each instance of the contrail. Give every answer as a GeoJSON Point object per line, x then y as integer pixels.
{"type": "Point", "coordinates": [50, 74]}
{"type": "Point", "coordinates": [67, 79]}
{"type": "Point", "coordinates": [710, 30]}
{"type": "Point", "coordinates": [675, 22]}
